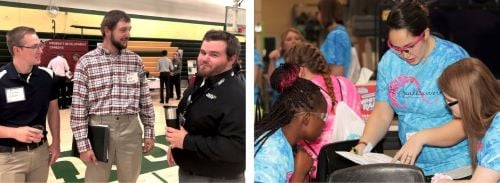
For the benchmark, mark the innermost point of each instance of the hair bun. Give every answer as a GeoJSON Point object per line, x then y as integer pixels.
{"type": "Point", "coordinates": [284, 77]}
{"type": "Point", "coordinates": [421, 4]}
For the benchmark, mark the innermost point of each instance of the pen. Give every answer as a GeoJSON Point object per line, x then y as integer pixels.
{"type": "Point", "coordinates": [354, 150]}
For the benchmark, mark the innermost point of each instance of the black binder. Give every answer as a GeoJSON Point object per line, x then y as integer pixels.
{"type": "Point", "coordinates": [99, 140]}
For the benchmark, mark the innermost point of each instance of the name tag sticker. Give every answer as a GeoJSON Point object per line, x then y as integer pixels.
{"type": "Point", "coordinates": [132, 78]}
{"type": "Point", "coordinates": [15, 94]}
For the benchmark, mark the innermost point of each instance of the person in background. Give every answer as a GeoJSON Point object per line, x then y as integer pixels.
{"type": "Point", "coordinates": [407, 84]}
{"type": "Point", "coordinates": [210, 145]}
{"type": "Point", "coordinates": [175, 78]}
{"type": "Point", "coordinates": [165, 67]}
{"type": "Point", "coordinates": [298, 114]}
{"type": "Point", "coordinates": [336, 47]}
{"type": "Point", "coordinates": [335, 89]}
{"type": "Point", "coordinates": [288, 39]}
{"type": "Point", "coordinates": [258, 67]}
{"type": "Point", "coordinates": [61, 68]}
{"type": "Point", "coordinates": [111, 89]}
{"type": "Point", "coordinates": [472, 94]}
{"type": "Point", "coordinates": [28, 98]}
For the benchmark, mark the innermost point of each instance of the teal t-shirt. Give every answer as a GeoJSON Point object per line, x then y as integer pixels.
{"type": "Point", "coordinates": [337, 48]}
{"type": "Point", "coordinates": [414, 94]}
{"type": "Point", "coordinates": [488, 154]}
{"type": "Point", "coordinates": [274, 161]}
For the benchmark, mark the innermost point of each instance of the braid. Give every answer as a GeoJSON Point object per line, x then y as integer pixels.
{"type": "Point", "coordinates": [307, 55]}
{"type": "Point", "coordinates": [300, 96]}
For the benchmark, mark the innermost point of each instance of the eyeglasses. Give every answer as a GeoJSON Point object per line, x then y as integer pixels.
{"type": "Point", "coordinates": [35, 47]}
{"type": "Point", "coordinates": [450, 104]}
{"type": "Point", "coordinates": [406, 48]}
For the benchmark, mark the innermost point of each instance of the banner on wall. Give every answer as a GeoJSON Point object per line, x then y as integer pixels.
{"type": "Point", "coordinates": [71, 50]}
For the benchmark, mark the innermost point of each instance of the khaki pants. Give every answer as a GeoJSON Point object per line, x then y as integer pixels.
{"type": "Point", "coordinates": [25, 166]}
{"type": "Point", "coordinates": [125, 149]}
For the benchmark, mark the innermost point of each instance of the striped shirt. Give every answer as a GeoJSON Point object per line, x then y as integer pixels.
{"type": "Point", "coordinates": [106, 84]}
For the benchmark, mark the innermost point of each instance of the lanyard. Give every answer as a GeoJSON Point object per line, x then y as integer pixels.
{"type": "Point", "coordinates": [190, 100]}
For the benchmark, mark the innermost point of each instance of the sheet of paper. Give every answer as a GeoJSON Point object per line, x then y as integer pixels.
{"type": "Point", "coordinates": [366, 158]}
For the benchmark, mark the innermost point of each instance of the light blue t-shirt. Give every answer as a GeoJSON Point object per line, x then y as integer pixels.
{"type": "Point", "coordinates": [275, 94]}
{"type": "Point", "coordinates": [488, 156]}
{"type": "Point", "coordinates": [274, 162]}
{"type": "Point", "coordinates": [258, 62]}
{"type": "Point", "coordinates": [414, 94]}
{"type": "Point", "coordinates": [337, 48]}
{"type": "Point", "coordinates": [278, 62]}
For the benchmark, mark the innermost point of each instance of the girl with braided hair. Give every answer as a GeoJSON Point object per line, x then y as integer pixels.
{"type": "Point", "coordinates": [335, 89]}
{"type": "Point", "coordinates": [298, 114]}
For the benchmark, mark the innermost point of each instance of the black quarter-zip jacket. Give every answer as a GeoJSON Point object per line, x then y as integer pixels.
{"type": "Point", "coordinates": [215, 122]}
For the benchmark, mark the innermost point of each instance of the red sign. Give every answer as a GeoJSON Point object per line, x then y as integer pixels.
{"type": "Point", "coordinates": [71, 50]}
{"type": "Point", "coordinates": [367, 93]}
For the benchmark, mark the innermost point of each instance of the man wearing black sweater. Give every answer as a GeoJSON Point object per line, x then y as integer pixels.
{"type": "Point", "coordinates": [210, 146]}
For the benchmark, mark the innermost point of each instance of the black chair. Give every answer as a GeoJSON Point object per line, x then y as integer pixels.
{"type": "Point", "coordinates": [384, 172]}
{"type": "Point", "coordinates": [329, 161]}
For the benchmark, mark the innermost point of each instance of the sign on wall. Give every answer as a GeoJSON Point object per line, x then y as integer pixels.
{"type": "Point", "coordinates": [71, 50]}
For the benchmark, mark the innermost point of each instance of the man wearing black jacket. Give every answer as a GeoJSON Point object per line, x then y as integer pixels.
{"type": "Point", "coordinates": [210, 146]}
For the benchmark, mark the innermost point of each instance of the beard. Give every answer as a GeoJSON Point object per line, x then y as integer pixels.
{"type": "Point", "coordinates": [117, 44]}
{"type": "Point", "coordinates": [208, 70]}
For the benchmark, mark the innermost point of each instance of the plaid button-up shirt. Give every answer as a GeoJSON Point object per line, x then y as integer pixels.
{"type": "Point", "coordinates": [106, 84]}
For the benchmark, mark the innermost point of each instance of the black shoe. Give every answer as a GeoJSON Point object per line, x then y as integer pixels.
{"type": "Point", "coordinates": [178, 98]}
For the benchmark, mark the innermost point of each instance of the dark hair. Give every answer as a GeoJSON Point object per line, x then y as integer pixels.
{"type": "Point", "coordinates": [15, 37]}
{"type": "Point", "coordinates": [164, 53]}
{"type": "Point", "coordinates": [411, 15]}
{"type": "Point", "coordinates": [331, 11]}
{"type": "Point", "coordinates": [297, 95]}
{"type": "Point", "coordinates": [309, 56]}
{"type": "Point", "coordinates": [112, 18]}
{"type": "Point", "coordinates": [478, 93]}
{"type": "Point", "coordinates": [232, 44]}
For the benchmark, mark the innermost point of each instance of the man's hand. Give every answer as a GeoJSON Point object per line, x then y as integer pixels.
{"type": "Point", "coordinates": [170, 157]}
{"type": "Point", "coordinates": [149, 144]}
{"type": "Point", "coordinates": [55, 151]}
{"type": "Point", "coordinates": [176, 137]}
{"type": "Point", "coordinates": [27, 134]}
{"type": "Point", "coordinates": [88, 157]}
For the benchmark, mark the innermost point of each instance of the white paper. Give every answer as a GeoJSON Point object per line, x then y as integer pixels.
{"type": "Point", "coordinates": [364, 76]}
{"type": "Point", "coordinates": [366, 158]}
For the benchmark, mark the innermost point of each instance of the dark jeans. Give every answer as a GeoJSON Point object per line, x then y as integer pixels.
{"type": "Point", "coordinates": [62, 91]}
{"type": "Point", "coordinates": [175, 80]}
{"type": "Point", "coordinates": [164, 83]}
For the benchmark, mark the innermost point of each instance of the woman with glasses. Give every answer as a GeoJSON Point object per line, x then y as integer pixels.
{"type": "Point", "coordinates": [407, 85]}
{"type": "Point", "coordinates": [335, 89]}
{"type": "Point", "coordinates": [297, 115]}
{"type": "Point", "coordinates": [473, 95]}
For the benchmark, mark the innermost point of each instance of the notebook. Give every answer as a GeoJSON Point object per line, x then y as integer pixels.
{"type": "Point", "coordinates": [99, 140]}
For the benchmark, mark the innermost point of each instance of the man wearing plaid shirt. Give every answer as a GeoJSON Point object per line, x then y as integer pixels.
{"type": "Point", "coordinates": [110, 89]}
